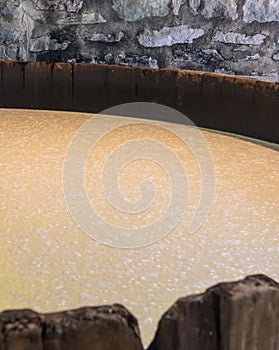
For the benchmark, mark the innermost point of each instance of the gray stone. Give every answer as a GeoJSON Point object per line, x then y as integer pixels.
{"type": "Point", "coordinates": [215, 8]}
{"type": "Point", "coordinates": [59, 5]}
{"type": "Point", "coordinates": [224, 71]}
{"type": "Point", "coordinates": [276, 57]}
{"type": "Point", "coordinates": [16, 22]}
{"type": "Point", "coordinates": [22, 54]}
{"type": "Point", "coordinates": [239, 38]}
{"type": "Point", "coordinates": [90, 24]}
{"type": "Point", "coordinates": [261, 11]}
{"type": "Point", "coordinates": [91, 18]}
{"type": "Point", "coordinates": [134, 10]}
{"type": "Point", "coordinates": [251, 57]}
{"type": "Point", "coordinates": [17, 31]}
{"type": "Point", "coordinates": [7, 36]}
{"type": "Point", "coordinates": [3, 54]}
{"type": "Point", "coordinates": [45, 43]}
{"type": "Point", "coordinates": [238, 54]}
{"type": "Point", "coordinates": [195, 4]}
{"type": "Point", "coordinates": [85, 18]}
{"type": "Point", "coordinates": [200, 56]}
{"type": "Point", "coordinates": [106, 38]}
{"type": "Point", "coordinates": [17, 52]}
{"type": "Point", "coordinates": [137, 61]}
{"type": "Point", "coordinates": [10, 2]}
{"type": "Point", "coordinates": [196, 59]}
{"type": "Point", "coordinates": [30, 11]}
{"type": "Point", "coordinates": [153, 63]}
{"type": "Point", "coordinates": [109, 58]}
{"type": "Point", "coordinates": [169, 36]}
{"type": "Point", "coordinates": [213, 54]}
{"type": "Point", "coordinates": [8, 12]}
{"type": "Point", "coordinates": [124, 59]}
{"type": "Point", "coordinates": [176, 4]}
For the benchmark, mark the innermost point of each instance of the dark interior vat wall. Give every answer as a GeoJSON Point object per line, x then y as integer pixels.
{"type": "Point", "coordinates": [244, 106]}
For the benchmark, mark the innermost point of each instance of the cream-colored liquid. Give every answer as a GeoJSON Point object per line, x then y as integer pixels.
{"type": "Point", "coordinates": [48, 263]}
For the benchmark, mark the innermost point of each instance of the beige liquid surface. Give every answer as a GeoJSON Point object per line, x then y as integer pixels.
{"type": "Point", "coordinates": [48, 263]}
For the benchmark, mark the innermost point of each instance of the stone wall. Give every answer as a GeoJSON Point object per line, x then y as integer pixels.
{"type": "Point", "coordinates": [231, 36]}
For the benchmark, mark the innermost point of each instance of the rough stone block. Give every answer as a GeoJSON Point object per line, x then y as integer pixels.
{"type": "Point", "coordinates": [176, 4]}
{"type": "Point", "coordinates": [134, 10]}
{"type": "Point", "coordinates": [85, 18]}
{"type": "Point", "coordinates": [9, 36]}
{"type": "Point", "coordinates": [210, 57]}
{"type": "Point", "coordinates": [169, 36]}
{"type": "Point", "coordinates": [215, 8]}
{"type": "Point", "coordinates": [261, 11]}
{"type": "Point", "coordinates": [45, 43]}
{"type": "Point", "coordinates": [3, 54]}
{"type": "Point", "coordinates": [59, 5]}
{"type": "Point", "coordinates": [125, 59]}
{"type": "Point", "coordinates": [106, 38]}
{"type": "Point", "coordinates": [195, 5]}
{"type": "Point", "coordinates": [239, 38]}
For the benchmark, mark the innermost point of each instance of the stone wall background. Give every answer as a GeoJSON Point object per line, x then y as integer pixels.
{"type": "Point", "coordinates": [228, 36]}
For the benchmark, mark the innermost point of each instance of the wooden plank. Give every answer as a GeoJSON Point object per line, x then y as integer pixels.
{"type": "Point", "coordinates": [62, 86]}
{"type": "Point", "coordinates": [100, 328]}
{"type": "Point", "coordinates": [237, 105]}
{"type": "Point", "coordinates": [1, 84]}
{"type": "Point", "coordinates": [266, 111]}
{"type": "Point", "coordinates": [189, 97]}
{"type": "Point", "coordinates": [38, 85]}
{"type": "Point", "coordinates": [21, 330]}
{"type": "Point", "coordinates": [89, 88]}
{"type": "Point", "coordinates": [211, 110]}
{"type": "Point", "coordinates": [228, 316]}
{"type": "Point", "coordinates": [13, 76]}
